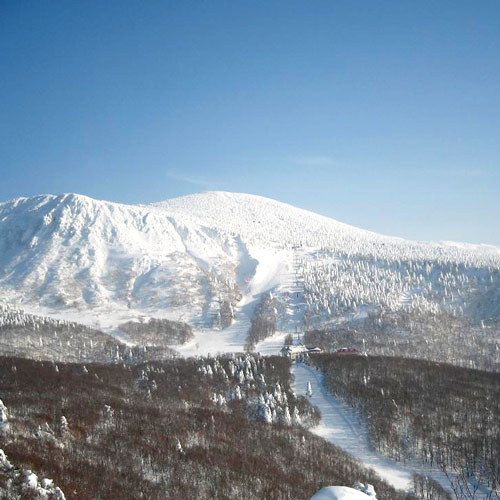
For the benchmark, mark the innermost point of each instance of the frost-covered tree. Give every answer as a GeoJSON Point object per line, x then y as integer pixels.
{"type": "Point", "coordinates": [5, 465]}
{"type": "Point", "coordinates": [287, 419]}
{"type": "Point", "coordinates": [4, 415]}
{"type": "Point", "coordinates": [367, 489]}
{"type": "Point", "coordinates": [63, 425]}
{"type": "Point", "coordinates": [309, 391]}
{"type": "Point", "coordinates": [237, 393]}
{"type": "Point", "coordinates": [178, 447]}
{"type": "Point", "coordinates": [296, 416]}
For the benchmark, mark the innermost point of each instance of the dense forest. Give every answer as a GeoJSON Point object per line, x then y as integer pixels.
{"type": "Point", "coordinates": [441, 414]}
{"type": "Point", "coordinates": [435, 336]}
{"type": "Point", "coordinates": [343, 283]}
{"type": "Point", "coordinates": [191, 428]}
{"type": "Point", "coordinates": [264, 320]}
{"type": "Point", "coordinates": [43, 338]}
{"type": "Point", "coordinates": [157, 332]}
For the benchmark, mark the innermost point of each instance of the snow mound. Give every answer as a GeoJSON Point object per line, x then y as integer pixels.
{"type": "Point", "coordinates": [339, 493]}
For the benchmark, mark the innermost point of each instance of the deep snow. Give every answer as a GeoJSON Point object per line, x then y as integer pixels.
{"type": "Point", "coordinates": [103, 263]}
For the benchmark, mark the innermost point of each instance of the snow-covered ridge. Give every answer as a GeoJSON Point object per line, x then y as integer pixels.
{"type": "Point", "coordinates": [202, 257]}
{"type": "Point", "coordinates": [261, 218]}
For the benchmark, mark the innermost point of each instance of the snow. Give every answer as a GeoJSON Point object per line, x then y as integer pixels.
{"type": "Point", "coordinates": [215, 341]}
{"type": "Point", "coordinates": [272, 345]}
{"type": "Point", "coordinates": [101, 263]}
{"type": "Point", "coordinates": [5, 465]}
{"type": "Point", "coordinates": [29, 484]}
{"type": "Point", "coordinates": [340, 425]}
{"type": "Point", "coordinates": [259, 272]}
{"type": "Point", "coordinates": [339, 493]}
{"type": "Point", "coordinates": [30, 479]}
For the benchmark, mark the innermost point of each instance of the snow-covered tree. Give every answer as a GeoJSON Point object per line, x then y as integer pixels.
{"type": "Point", "coordinates": [5, 465]}
{"type": "Point", "coordinates": [4, 415]}
{"type": "Point", "coordinates": [287, 419]}
{"type": "Point", "coordinates": [237, 393]}
{"type": "Point", "coordinates": [63, 425]}
{"type": "Point", "coordinates": [309, 391]}
{"type": "Point", "coordinates": [296, 416]}
{"type": "Point", "coordinates": [178, 447]}
{"type": "Point", "coordinates": [367, 489]}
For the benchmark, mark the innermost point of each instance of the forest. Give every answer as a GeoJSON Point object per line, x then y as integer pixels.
{"type": "Point", "coordinates": [264, 321]}
{"type": "Point", "coordinates": [44, 338]}
{"type": "Point", "coordinates": [342, 284]}
{"type": "Point", "coordinates": [434, 336]}
{"type": "Point", "coordinates": [186, 428]}
{"type": "Point", "coordinates": [439, 414]}
{"type": "Point", "coordinates": [157, 332]}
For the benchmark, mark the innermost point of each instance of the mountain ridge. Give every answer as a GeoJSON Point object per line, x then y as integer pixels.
{"type": "Point", "coordinates": [202, 257]}
{"type": "Point", "coordinates": [176, 202]}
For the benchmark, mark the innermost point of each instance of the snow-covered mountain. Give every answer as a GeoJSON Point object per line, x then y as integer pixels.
{"type": "Point", "coordinates": [208, 258]}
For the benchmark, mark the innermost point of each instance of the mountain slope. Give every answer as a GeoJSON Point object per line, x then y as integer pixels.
{"type": "Point", "coordinates": [208, 258]}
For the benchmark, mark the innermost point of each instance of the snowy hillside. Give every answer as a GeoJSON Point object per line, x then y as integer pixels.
{"type": "Point", "coordinates": [208, 259]}
{"type": "Point", "coordinates": [43, 338]}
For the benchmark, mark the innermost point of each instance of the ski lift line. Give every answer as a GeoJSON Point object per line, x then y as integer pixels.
{"type": "Point", "coordinates": [296, 291]}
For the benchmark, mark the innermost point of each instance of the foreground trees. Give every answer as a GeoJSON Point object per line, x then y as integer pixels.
{"type": "Point", "coordinates": [174, 429]}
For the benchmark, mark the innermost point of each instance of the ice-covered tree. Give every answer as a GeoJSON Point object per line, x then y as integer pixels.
{"type": "Point", "coordinates": [5, 465]}
{"type": "Point", "coordinates": [296, 416]}
{"type": "Point", "coordinates": [63, 425]}
{"type": "Point", "coordinates": [4, 415]}
{"type": "Point", "coordinates": [237, 393]}
{"type": "Point", "coordinates": [367, 489]}
{"type": "Point", "coordinates": [287, 419]}
{"type": "Point", "coordinates": [309, 391]}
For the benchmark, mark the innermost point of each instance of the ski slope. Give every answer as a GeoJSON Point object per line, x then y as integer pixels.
{"type": "Point", "coordinates": [211, 342]}
{"type": "Point", "coordinates": [340, 426]}
{"type": "Point", "coordinates": [272, 272]}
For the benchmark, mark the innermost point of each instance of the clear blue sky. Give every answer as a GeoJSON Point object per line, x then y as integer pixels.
{"type": "Point", "coordinates": [381, 114]}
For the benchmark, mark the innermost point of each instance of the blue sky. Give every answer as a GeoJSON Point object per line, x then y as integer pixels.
{"type": "Point", "coordinates": [381, 114]}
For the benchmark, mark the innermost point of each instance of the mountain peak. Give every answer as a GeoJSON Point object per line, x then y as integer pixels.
{"type": "Point", "coordinates": [195, 257]}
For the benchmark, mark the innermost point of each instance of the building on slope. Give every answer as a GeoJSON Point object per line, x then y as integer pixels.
{"type": "Point", "coordinates": [347, 351]}
{"type": "Point", "coordinates": [294, 351]}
